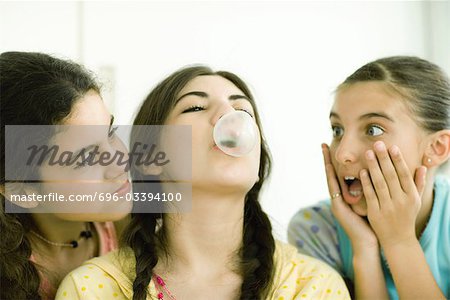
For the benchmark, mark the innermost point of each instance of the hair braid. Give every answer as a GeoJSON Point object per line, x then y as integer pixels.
{"type": "Point", "coordinates": [258, 250]}
{"type": "Point", "coordinates": [141, 237]}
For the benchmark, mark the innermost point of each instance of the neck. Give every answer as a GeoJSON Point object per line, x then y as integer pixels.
{"type": "Point", "coordinates": [57, 230]}
{"type": "Point", "coordinates": [208, 238]}
{"type": "Point", "coordinates": [426, 207]}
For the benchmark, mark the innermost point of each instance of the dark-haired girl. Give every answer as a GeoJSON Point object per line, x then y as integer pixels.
{"type": "Point", "coordinates": [38, 247]}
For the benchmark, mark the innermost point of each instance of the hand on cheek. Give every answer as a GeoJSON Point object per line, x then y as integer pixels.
{"type": "Point", "coordinates": [361, 235]}
{"type": "Point", "coordinates": [393, 196]}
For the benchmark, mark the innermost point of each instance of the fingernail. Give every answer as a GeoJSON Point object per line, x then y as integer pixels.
{"type": "Point", "coordinates": [379, 146]}
{"type": "Point", "coordinates": [370, 154]}
{"type": "Point", "coordinates": [395, 150]}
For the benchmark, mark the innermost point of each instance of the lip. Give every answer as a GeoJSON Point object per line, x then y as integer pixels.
{"type": "Point", "coordinates": [215, 147]}
{"type": "Point", "coordinates": [124, 189]}
{"type": "Point", "coordinates": [345, 192]}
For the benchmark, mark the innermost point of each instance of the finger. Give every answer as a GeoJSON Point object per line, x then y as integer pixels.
{"type": "Point", "coordinates": [378, 181]}
{"type": "Point", "coordinates": [388, 170]}
{"type": "Point", "coordinates": [333, 184]}
{"type": "Point", "coordinates": [404, 175]}
{"type": "Point", "coordinates": [339, 208]}
{"type": "Point", "coordinates": [326, 154]}
{"type": "Point", "coordinates": [420, 179]}
{"type": "Point", "coordinates": [369, 193]}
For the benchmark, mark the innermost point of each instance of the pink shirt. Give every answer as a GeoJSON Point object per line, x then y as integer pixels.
{"type": "Point", "coordinates": [108, 242]}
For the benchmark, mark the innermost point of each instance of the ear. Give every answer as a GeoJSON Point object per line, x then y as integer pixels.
{"type": "Point", "coordinates": [17, 193]}
{"type": "Point", "coordinates": [438, 149]}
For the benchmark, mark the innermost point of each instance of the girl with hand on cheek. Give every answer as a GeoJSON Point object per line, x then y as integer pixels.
{"type": "Point", "coordinates": [386, 228]}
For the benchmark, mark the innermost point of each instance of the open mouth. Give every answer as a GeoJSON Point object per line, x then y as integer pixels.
{"type": "Point", "coordinates": [352, 189]}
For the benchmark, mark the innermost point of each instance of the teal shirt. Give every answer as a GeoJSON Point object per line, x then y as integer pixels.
{"type": "Point", "coordinates": [314, 231]}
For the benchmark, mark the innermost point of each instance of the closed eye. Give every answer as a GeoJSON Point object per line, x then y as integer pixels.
{"type": "Point", "coordinates": [194, 108]}
{"type": "Point", "coordinates": [245, 110]}
{"type": "Point", "coordinates": [112, 132]}
{"type": "Point", "coordinates": [85, 161]}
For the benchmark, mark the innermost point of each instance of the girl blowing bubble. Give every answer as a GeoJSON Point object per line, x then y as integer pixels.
{"type": "Point", "coordinates": [387, 226]}
{"type": "Point", "coordinates": [223, 248]}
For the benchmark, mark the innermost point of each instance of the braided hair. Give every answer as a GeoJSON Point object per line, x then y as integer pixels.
{"type": "Point", "coordinates": [146, 238]}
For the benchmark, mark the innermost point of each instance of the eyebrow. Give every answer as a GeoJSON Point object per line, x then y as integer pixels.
{"type": "Point", "coordinates": [205, 95]}
{"type": "Point", "coordinates": [367, 116]}
{"type": "Point", "coordinates": [78, 152]}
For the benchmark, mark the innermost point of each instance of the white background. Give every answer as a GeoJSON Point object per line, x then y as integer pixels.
{"type": "Point", "coordinates": [292, 54]}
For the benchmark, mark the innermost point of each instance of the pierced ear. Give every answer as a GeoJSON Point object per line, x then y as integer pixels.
{"type": "Point", "coordinates": [17, 193]}
{"type": "Point", "coordinates": [438, 151]}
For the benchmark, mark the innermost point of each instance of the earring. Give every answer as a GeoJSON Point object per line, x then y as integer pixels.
{"type": "Point", "coordinates": [429, 160]}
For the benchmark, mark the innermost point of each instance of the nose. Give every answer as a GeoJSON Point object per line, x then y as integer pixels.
{"type": "Point", "coordinates": [221, 109]}
{"type": "Point", "coordinates": [347, 150]}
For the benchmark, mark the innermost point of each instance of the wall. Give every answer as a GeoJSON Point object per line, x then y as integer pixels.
{"type": "Point", "coordinates": [293, 54]}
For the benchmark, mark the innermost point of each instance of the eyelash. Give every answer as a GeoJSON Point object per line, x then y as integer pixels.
{"type": "Point", "coordinates": [195, 108]}
{"type": "Point", "coordinates": [112, 131]}
{"type": "Point", "coordinates": [244, 110]}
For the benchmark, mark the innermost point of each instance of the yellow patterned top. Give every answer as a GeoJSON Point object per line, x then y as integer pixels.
{"type": "Point", "coordinates": [111, 276]}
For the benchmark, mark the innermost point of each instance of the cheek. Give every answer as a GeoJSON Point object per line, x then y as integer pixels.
{"type": "Point", "coordinates": [119, 145]}
{"type": "Point", "coordinates": [413, 160]}
{"type": "Point", "coordinates": [410, 154]}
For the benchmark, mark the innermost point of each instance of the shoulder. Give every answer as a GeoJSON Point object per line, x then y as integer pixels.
{"type": "Point", "coordinates": [320, 213]}
{"type": "Point", "coordinates": [287, 259]}
{"type": "Point", "coordinates": [302, 276]}
{"type": "Point", "coordinates": [314, 231]}
{"type": "Point", "coordinates": [442, 187]}
{"type": "Point", "coordinates": [441, 208]}
{"type": "Point", "coordinates": [100, 278]}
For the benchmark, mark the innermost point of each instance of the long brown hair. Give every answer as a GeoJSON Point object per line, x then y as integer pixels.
{"type": "Point", "coordinates": [258, 243]}
{"type": "Point", "coordinates": [35, 89]}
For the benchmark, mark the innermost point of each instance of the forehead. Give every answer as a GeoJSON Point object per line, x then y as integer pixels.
{"type": "Point", "coordinates": [211, 84]}
{"type": "Point", "coordinates": [89, 110]}
{"type": "Point", "coordinates": [367, 97]}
